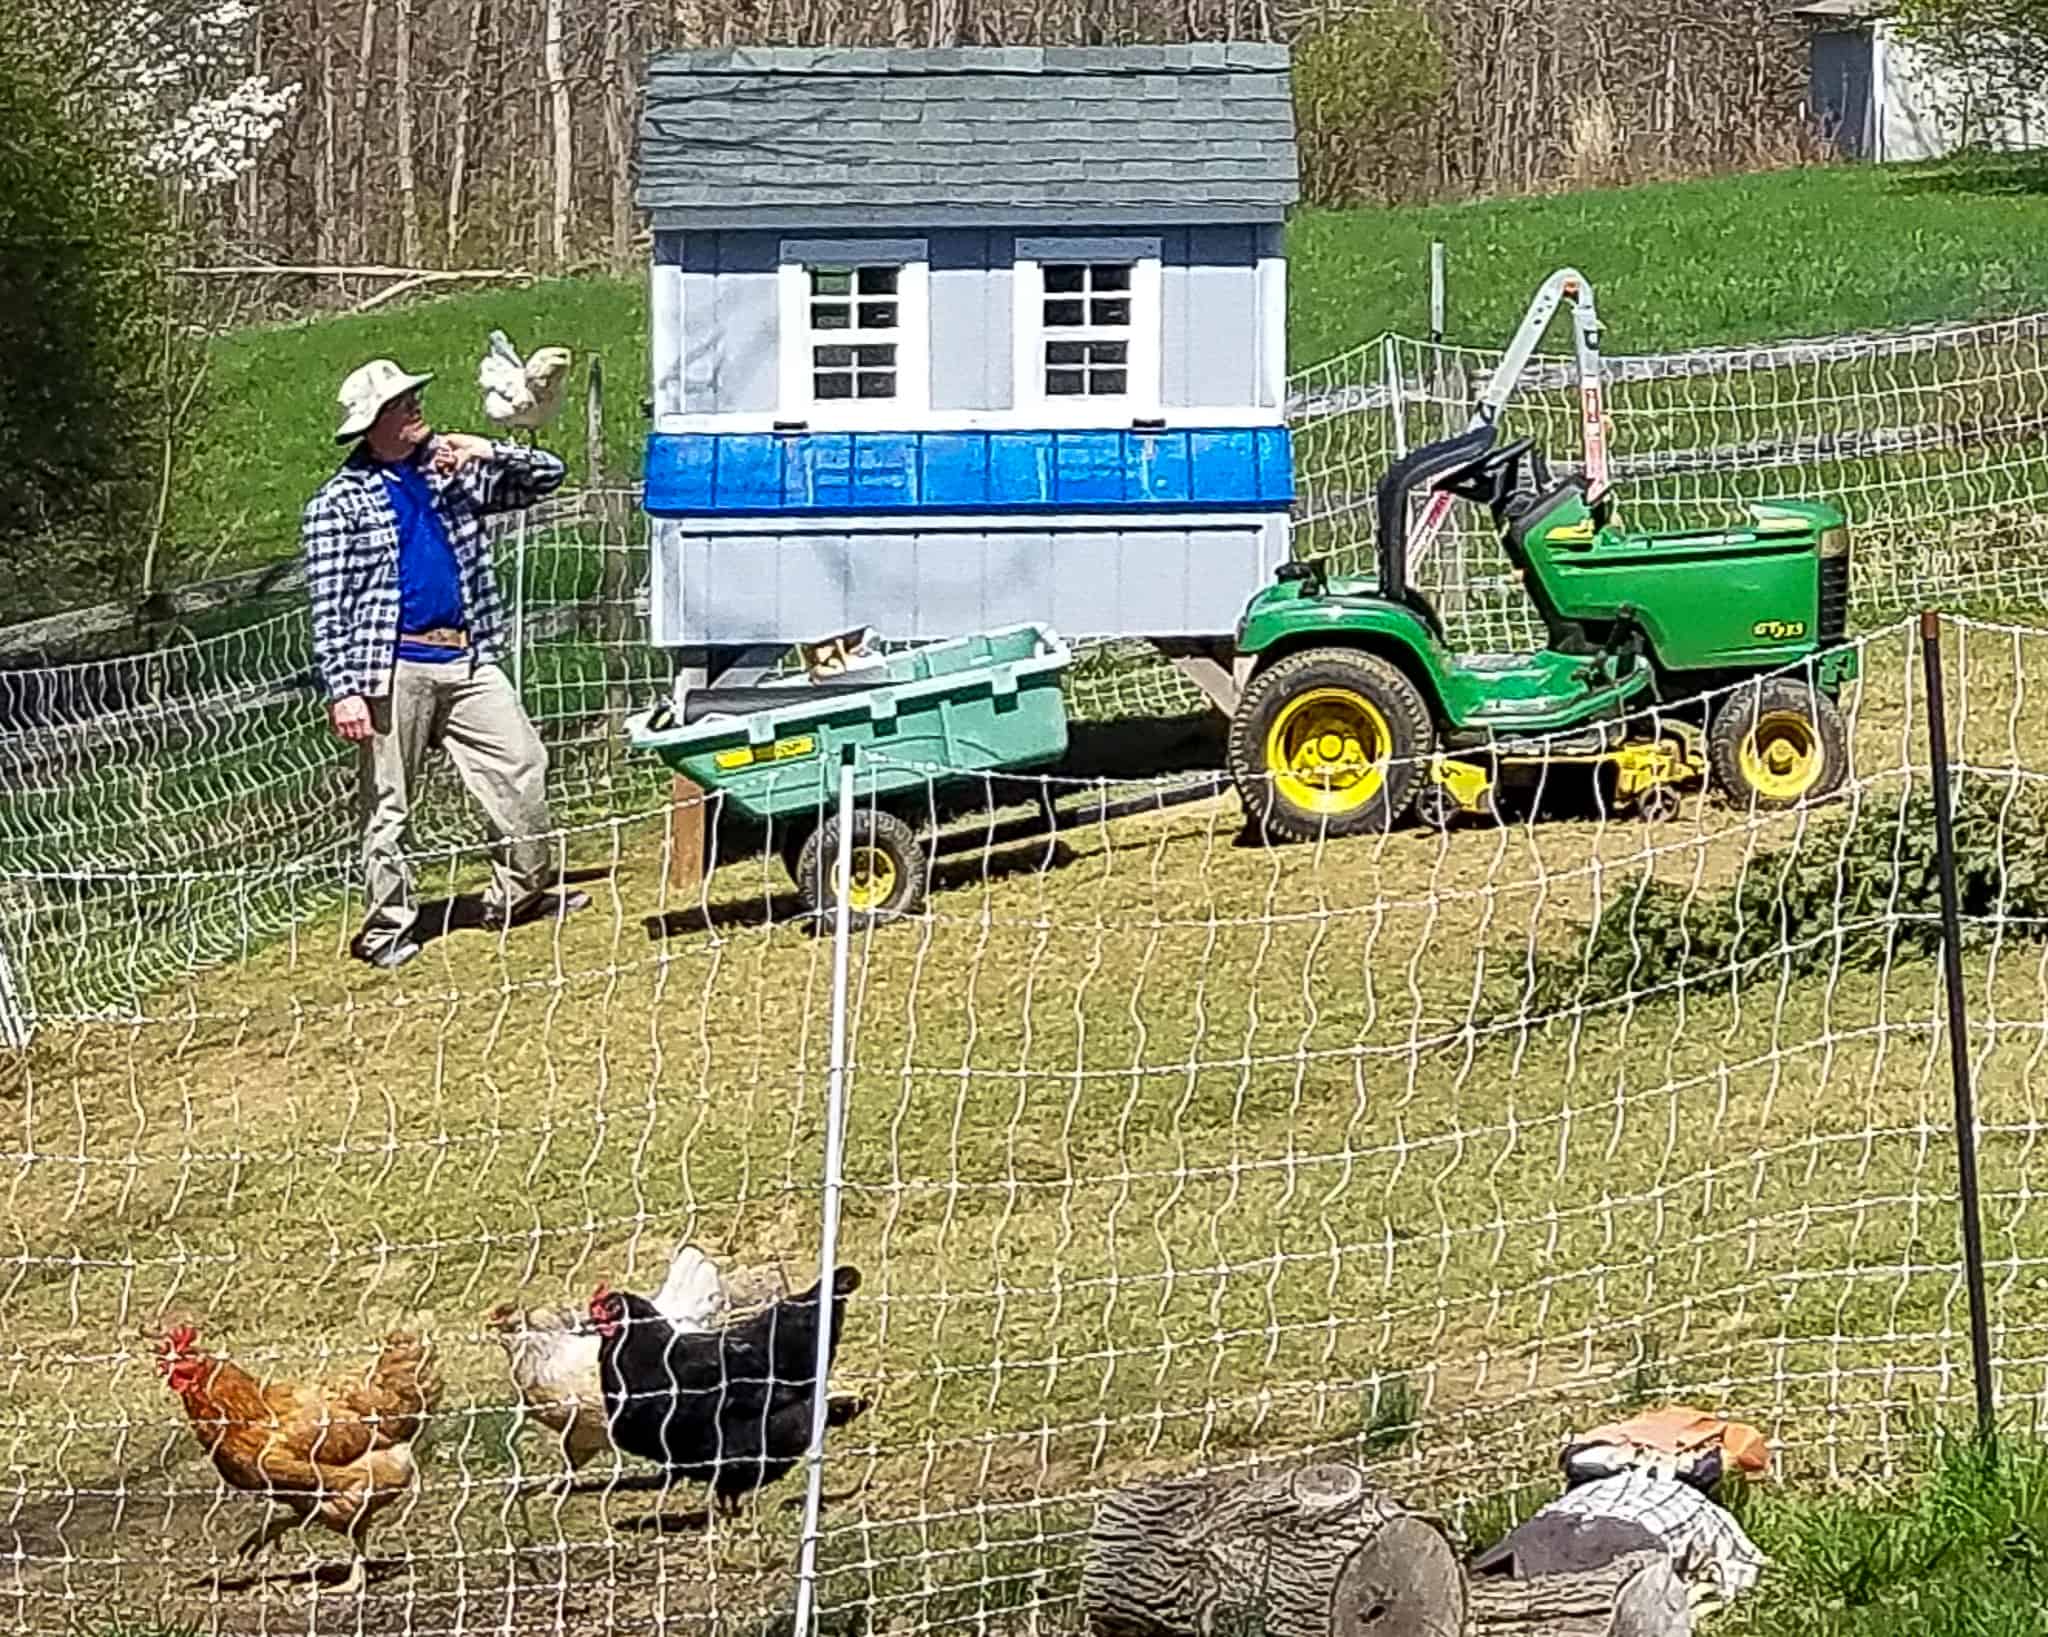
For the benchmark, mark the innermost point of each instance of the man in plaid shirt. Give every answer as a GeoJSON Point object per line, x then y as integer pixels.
{"type": "Point", "coordinates": [407, 630]}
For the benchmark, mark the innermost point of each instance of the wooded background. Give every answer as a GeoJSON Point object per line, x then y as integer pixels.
{"type": "Point", "coordinates": [500, 133]}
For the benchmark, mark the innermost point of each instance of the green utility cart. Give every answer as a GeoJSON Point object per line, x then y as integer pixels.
{"type": "Point", "coordinates": [928, 717]}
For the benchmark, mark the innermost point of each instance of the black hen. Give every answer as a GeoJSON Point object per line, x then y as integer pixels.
{"type": "Point", "coordinates": [731, 1408]}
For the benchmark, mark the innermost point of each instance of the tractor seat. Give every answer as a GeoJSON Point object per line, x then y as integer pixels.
{"type": "Point", "coordinates": [1532, 503]}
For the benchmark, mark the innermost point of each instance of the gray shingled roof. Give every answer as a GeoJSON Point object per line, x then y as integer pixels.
{"type": "Point", "coordinates": [997, 136]}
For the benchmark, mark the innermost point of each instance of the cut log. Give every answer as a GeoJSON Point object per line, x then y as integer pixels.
{"type": "Point", "coordinates": [1312, 1552]}
{"type": "Point", "coordinates": [1317, 1551]}
{"type": "Point", "coordinates": [1653, 1603]}
{"type": "Point", "coordinates": [1636, 1596]}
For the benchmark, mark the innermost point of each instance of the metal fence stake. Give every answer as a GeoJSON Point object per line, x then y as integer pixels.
{"type": "Point", "coordinates": [1958, 1028]}
{"type": "Point", "coordinates": [519, 608]}
{"type": "Point", "coordinates": [828, 1243]}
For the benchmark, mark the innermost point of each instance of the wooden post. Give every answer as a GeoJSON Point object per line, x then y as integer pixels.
{"type": "Point", "coordinates": [686, 812]}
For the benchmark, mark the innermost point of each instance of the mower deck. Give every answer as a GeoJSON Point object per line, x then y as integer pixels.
{"type": "Point", "coordinates": [1536, 693]}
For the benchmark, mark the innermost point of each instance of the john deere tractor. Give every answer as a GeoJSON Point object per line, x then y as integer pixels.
{"type": "Point", "coordinates": [1357, 712]}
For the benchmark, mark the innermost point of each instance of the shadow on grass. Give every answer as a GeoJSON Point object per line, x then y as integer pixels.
{"type": "Point", "coordinates": [326, 1576]}
{"type": "Point", "coordinates": [464, 912]}
{"type": "Point", "coordinates": [961, 860]}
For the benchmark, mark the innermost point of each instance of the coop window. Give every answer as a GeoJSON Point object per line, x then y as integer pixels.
{"type": "Point", "coordinates": [854, 316]}
{"type": "Point", "coordinates": [1087, 318]}
{"type": "Point", "coordinates": [1088, 327]}
{"type": "Point", "coordinates": [855, 313]}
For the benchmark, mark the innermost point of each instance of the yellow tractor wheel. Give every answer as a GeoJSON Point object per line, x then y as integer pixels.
{"type": "Point", "coordinates": [1328, 742]}
{"type": "Point", "coordinates": [1778, 743]}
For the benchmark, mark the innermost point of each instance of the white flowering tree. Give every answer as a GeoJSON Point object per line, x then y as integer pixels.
{"type": "Point", "coordinates": [172, 80]}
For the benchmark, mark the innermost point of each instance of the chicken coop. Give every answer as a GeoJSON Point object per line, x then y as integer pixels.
{"type": "Point", "coordinates": [944, 341]}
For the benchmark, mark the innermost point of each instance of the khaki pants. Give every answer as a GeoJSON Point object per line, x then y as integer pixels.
{"type": "Point", "coordinates": [473, 713]}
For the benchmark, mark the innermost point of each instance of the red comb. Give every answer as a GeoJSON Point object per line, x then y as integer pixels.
{"type": "Point", "coordinates": [180, 1339]}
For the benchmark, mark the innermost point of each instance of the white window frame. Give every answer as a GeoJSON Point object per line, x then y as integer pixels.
{"type": "Point", "coordinates": [1028, 332]}
{"type": "Point", "coordinates": [795, 400]}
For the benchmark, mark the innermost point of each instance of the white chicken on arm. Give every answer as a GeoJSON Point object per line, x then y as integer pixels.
{"type": "Point", "coordinates": [552, 1353]}
{"type": "Point", "coordinates": [524, 393]}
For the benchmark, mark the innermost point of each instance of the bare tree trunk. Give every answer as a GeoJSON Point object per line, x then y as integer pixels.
{"type": "Point", "coordinates": [899, 23]}
{"type": "Point", "coordinates": [691, 24]}
{"type": "Point", "coordinates": [615, 102]}
{"type": "Point", "coordinates": [465, 92]}
{"type": "Point", "coordinates": [359, 128]}
{"type": "Point", "coordinates": [560, 121]}
{"type": "Point", "coordinates": [323, 157]}
{"type": "Point", "coordinates": [250, 188]}
{"type": "Point", "coordinates": [408, 174]}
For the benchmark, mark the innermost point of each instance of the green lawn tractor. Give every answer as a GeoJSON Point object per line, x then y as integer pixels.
{"type": "Point", "coordinates": [1356, 711]}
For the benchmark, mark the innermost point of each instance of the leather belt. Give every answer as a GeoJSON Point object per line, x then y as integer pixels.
{"type": "Point", "coordinates": [440, 636]}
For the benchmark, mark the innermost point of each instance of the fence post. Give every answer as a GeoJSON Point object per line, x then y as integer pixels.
{"type": "Point", "coordinates": [1397, 397]}
{"type": "Point", "coordinates": [1436, 292]}
{"type": "Point", "coordinates": [828, 1241]}
{"type": "Point", "coordinates": [17, 1028]}
{"type": "Point", "coordinates": [1958, 1027]}
{"type": "Point", "coordinates": [593, 428]}
{"type": "Point", "coordinates": [519, 607]}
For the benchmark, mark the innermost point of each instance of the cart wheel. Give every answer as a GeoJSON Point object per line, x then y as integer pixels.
{"type": "Point", "coordinates": [890, 871]}
{"type": "Point", "coordinates": [1327, 742]}
{"type": "Point", "coordinates": [1659, 804]}
{"type": "Point", "coordinates": [1778, 743]}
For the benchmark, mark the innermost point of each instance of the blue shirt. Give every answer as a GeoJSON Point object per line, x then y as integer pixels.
{"type": "Point", "coordinates": [429, 584]}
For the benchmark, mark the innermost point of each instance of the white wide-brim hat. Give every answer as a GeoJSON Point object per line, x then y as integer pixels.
{"type": "Point", "coordinates": [367, 390]}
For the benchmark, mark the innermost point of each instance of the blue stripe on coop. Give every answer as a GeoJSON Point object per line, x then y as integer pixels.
{"type": "Point", "coordinates": [981, 387]}
{"type": "Point", "coordinates": [828, 474]}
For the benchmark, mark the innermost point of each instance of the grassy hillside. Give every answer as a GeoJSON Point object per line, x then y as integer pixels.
{"type": "Point", "coordinates": [1730, 259]}
{"type": "Point", "coordinates": [267, 440]}
{"type": "Point", "coordinates": [1743, 258]}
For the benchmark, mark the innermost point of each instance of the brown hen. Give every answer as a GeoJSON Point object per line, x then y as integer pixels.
{"type": "Point", "coordinates": [335, 1454]}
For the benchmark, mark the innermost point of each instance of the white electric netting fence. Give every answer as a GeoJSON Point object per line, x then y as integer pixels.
{"type": "Point", "coordinates": [1163, 1152]}
{"type": "Point", "coordinates": [1930, 440]}
{"type": "Point", "coordinates": [131, 788]}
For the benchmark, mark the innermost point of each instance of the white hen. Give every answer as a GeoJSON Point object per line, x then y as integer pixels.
{"type": "Point", "coordinates": [552, 1352]}
{"type": "Point", "coordinates": [524, 393]}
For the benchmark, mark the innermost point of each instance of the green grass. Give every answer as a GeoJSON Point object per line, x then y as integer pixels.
{"type": "Point", "coordinates": [1746, 258]}
{"type": "Point", "coordinates": [266, 442]}
{"type": "Point", "coordinates": [1961, 1554]}
{"type": "Point", "coordinates": [1815, 251]}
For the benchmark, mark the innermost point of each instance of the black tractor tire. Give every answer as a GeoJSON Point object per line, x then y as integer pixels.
{"type": "Point", "coordinates": [891, 871]}
{"type": "Point", "coordinates": [1353, 683]}
{"type": "Point", "coordinates": [789, 847]}
{"type": "Point", "coordinates": [1774, 744]}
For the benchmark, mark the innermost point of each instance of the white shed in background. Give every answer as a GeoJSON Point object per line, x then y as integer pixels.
{"type": "Point", "coordinates": [1880, 97]}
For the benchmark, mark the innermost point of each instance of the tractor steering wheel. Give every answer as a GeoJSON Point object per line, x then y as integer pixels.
{"type": "Point", "coordinates": [1487, 478]}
